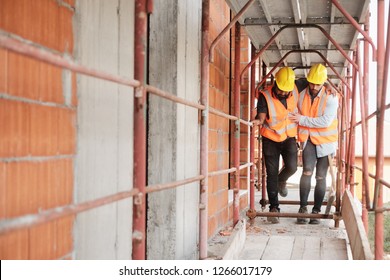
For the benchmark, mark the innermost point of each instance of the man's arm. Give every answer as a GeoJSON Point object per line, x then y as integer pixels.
{"type": "Point", "coordinates": [260, 118]}
{"type": "Point", "coordinates": [330, 113]}
{"type": "Point", "coordinates": [262, 110]}
{"type": "Point", "coordinates": [330, 89]}
{"type": "Point", "coordinates": [262, 106]}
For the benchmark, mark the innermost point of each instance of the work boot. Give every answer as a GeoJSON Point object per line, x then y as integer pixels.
{"type": "Point", "coordinates": [282, 187]}
{"type": "Point", "coordinates": [274, 220]}
{"type": "Point", "coordinates": [314, 221]}
{"type": "Point", "coordinates": [302, 210]}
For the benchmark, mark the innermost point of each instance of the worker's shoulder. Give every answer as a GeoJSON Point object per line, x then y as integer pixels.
{"type": "Point", "coordinates": [332, 100]}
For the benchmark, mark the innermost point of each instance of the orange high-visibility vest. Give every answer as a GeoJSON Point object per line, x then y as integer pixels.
{"type": "Point", "coordinates": [277, 125]}
{"type": "Point", "coordinates": [317, 135]}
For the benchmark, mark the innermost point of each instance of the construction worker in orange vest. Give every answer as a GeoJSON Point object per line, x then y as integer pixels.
{"type": "Point", "coordinates": [318, 135]}
{"type": "Point", "coordinates": [279, 133]}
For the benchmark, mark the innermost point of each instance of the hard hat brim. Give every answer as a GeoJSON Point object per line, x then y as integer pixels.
{"type": "Point", "coordinates": [286, 88]}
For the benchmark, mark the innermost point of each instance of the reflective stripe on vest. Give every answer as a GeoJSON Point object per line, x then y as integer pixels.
{"type": "Point", "coordinates": [306, 108]}
{"type": "Point", "coordinates": [283, 129]}
{"type": "Point", "coordinates": [277, 126]}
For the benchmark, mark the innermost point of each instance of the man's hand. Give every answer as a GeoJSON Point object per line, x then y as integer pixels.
{"type": "Point", "coordinates": [257, 122]}
{"type": "Point", "coordinates": [330, 90]}
{"type": "Point", "coordinates": [295, 117]}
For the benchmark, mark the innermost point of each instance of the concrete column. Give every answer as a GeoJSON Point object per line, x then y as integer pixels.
{"type": "Point", "coordinates": [104, 158]}
{"type": "Point", "coordinates": [173, 129]}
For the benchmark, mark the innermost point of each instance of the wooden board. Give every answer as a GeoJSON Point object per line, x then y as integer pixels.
{"type": "Point", "coordinates": [333, 249]}
{"type": "Point", "coordinates": [279, 248]}
{"type": "Point", "coordinates": [306, 248]}
{"type": "Point", "coordinates": [360, 246]}
{"type": "Point", "coordinates": [254, 247]}
{"type": "Point", "coordinates": [294, 248]}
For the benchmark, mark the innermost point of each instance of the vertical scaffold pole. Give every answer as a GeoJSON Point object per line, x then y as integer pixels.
{"type": "Point", "coordinates": [252, 132]}
{"type": "Point", "coordinates": [139, 180]}
{"type": "Point", "coordinates": [366, 83]}
{"type": "Point", "coordinates": [365, 176]}
{"type": "Point", "coordinates": [378, 194]}
{"type": "Point", "coordinates": [204, 130]}
{"type": "Point", "coordinates": [351, 145]}
{"type": "Point", "coordinates": [236, 141]}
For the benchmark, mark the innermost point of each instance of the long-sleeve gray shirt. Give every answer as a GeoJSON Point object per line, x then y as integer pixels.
{"type": "Point", "coordinates": [330, 113]}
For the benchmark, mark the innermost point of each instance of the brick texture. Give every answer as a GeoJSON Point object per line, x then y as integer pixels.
{"type": "Point", "coordinates": [3, 70]}
{"type": "Point", "coordinates": [14, 128]}
{"type": "Point", "coordinates": [244, 103]}
{"type": "Point", "coordinates": [38, 130]}
{"type": "Point", "coordinates": [35, 130]}
{"type": "Point", "coordinates": [2, 190]}
{"type": "Point", "coordinates": [34, 186]}
{"type": "Point", "coordinates": [219, 128]}
{"type": "Point", "coordinates": [44, 22]}
{"type": "Point", "coordinates": [14, 246]}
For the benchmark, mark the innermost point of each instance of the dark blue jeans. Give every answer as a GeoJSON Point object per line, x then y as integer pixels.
{"type": "Point", "coordinates": [272, 151]}
{"type": "Point", "coordinates": [310, 160]}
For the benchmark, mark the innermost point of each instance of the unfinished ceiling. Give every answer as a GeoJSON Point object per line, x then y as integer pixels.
{"type": "Point", "coordinates": [265, 17]}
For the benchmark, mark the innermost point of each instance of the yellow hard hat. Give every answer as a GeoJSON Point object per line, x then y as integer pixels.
{"type": "Point", "coordinates": [285, 79]}
{"type": "Point", "coordinates": [317, 74]}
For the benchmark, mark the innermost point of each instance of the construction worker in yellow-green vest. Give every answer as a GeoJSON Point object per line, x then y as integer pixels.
{"type": "Point", "coordinates": [279, 133]}
{"type": "Point", "coordinates": [318, 135]}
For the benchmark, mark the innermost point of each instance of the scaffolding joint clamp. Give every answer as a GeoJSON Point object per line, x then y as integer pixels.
{"type": "Point", "coordinates": [138, 236]}
{"type": "Point", "coordinates": [139, 92]}
{"type": "Point", "coordinates": [251, 213]}
{"type": "Point", "coordinates": [138, 199]}
{"type": "Point", "coordinates": [203, 116]}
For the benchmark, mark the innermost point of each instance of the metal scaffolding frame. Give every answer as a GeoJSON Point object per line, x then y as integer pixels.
{"type": "Point", "coordinates": [346, 161]}
{"type": "Point", "coordinates": [140, 190]}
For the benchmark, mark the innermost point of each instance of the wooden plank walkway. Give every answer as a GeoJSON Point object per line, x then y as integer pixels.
{"type": "Point", "coordinates": [291, 241]}
{"type": "Point", "coordinates": [287, 240]}
{"type": "Point", "coordinates": [294, 248]}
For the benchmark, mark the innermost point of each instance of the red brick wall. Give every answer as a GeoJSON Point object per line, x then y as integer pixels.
{"type": "Point", "coordinates": [244, 106]}
{"type": "Point", "coordinates": [37, 128]}
{"type": "Point", "coordinates": [219, 127]}
{"type": "Point", "coordinates": [244, 114]}
{"type": "Point", "coordinates": [220, 212]}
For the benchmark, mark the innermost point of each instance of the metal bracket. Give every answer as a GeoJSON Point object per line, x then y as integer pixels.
{"type": "Point", "coordinates": [237, 129]}
{"type": "Point", "coordinates": [138, 236]}
{"type": "Point", "coordinates": [263, 203]}
{"type": "Point", "coordinates": [203, 116]}
{"type": "Point", "coordinates": [137, 201]}
{"type": "Point", "coordinates": [139, 92]}
{"type": "Point", "coordinates": [251, 213]}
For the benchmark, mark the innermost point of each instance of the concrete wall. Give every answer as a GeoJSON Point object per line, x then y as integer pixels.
{"type": "Point", "coordinates": [104, 41]}
{"type": "Point", "coordinates": [173, 137]}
